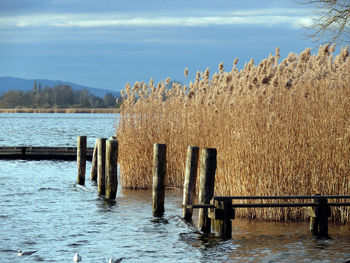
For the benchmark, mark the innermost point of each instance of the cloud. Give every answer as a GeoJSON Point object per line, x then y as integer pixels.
{"type": "Point", "coordinates": [267, 17]}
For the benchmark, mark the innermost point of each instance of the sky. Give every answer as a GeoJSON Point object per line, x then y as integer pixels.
{"type": "Point", "coordinates": [107, 43]}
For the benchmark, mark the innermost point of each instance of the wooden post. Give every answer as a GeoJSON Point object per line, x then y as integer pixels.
{"type": "Point", "coordinates": [93, 174]}
{"type": "Point", "coordinates": [319, 217]}
{"type": "Point", "coordinates": [159, 171]}
{"type": "Point", "coordinates": [221, 217]}
{"type": "Point", "coordinates": [189, 191]}
{"type": "Point", "coordinates": [206, 186]}
{"type": "Point", "coordinates": [111, 169]}
{"type": "Point", "coordinates": [81, 159]}
{"type": "Point", "coordinates": [101, 164]}
{"type": "Point", "coordinates": [323, 211]}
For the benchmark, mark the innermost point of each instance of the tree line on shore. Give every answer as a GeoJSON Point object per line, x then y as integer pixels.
{"type": "Point", "coordinates": [60, 96]}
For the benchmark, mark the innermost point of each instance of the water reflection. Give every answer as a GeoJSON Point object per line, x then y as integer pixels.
{"type": "Point", "coordinates": [105, 205]}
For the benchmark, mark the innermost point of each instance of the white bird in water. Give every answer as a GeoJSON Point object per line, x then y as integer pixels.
{"type": "Point", "coordinates": [111, 260]}
{"type": "Point", "coordinates": [77, 258]}
{"type": "Point", "coordinates": [25, 253]}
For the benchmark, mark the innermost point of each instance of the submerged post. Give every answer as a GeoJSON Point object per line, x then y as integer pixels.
{"type": "Point", "coordinates": [323, 213]}
{"type": "Point", "coordinates": [81, 159]}
{"type": "Point", "coordinates": [111, 168]}
{"type": "Point", "coordinates": [93, 174]}
{"type": "Point", "coordinates": [319, 217]}
{"type": "Point", "coordinates": [158, 186]}
{"type": "Point", "coordinates": [221, 217]}
{"type": "Point", "coordinates": [101, 166]}
{"type": "Point", "coordinates": [189, 191]}
{"type": "Point", "coordinates": [206, 186]}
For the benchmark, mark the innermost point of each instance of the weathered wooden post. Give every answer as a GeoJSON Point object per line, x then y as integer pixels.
{"type": "Point", "coordinates": [158, 186]}
{"type": "Point", "coordinates": [81, 159]}
{"type": "Point", "coordinates": [189, 191]}
{"type": "Point", "coordinates": [93, 174]}
{"type": "Point", "coordinates": [101, 166]}
{"type": "Point", "coordinates": [221, 217]}
{"type": "Point", "coordinates": [206, 186]}
{"type": "Point", "coordinates": [323, 211]}
{"type": "Point", "coordinates": [111, 169]}
{"type": "Point", "coordinates": [319, 217]}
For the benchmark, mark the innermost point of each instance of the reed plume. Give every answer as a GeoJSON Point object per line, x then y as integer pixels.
{"type": "Point", "coordinates": [280, 128]}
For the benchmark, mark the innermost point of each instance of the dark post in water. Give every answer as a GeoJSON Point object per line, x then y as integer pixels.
{"type": "Point", "coordinates": [93, 174]}
{"type": "Point", "coordinates": [159, 171]}
{"type": "Point", "coordinates": [189, 191]}
{"type": "Point", "coordinates": [81, 159]}
{"type": "Point", "coordinates": [221, 217]}
{"type": "Point", "coordinates": [101, 166]}
{"type": "Point", "coordinates": [206, 186]}
{"type": "Point", "coordinates": [111, 169]}
{"type": "Point", "coordinates": [319, 217]}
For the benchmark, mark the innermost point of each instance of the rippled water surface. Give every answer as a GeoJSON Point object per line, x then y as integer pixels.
{"type": "Point", "coordinates": [51, 129]}
{"type": "Point", "coordinates": [42, 209]}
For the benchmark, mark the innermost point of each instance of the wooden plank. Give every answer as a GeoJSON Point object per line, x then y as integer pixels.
{"type": "Point", "coordinates": [266, 205]}
{"type": "Point", "coordinates": [42, 153]}
{"type": "Point", "coordinates": [338, 204]}
{"type": "Point", "coordinates": [11, 152]}
{"type": "Point", "coordinates": [274, 205]}
{"type": "Point", "coordinates": [281, 197]}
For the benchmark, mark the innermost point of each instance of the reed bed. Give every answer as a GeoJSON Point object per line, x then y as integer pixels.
{"type": "Point", "coordinates": [61, 110]}
{"type": "Point", "coordinates": [280, 128]}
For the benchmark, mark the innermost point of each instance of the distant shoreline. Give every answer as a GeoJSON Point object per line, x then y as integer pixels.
{"type": "Point", "coordinates": [63, 110]}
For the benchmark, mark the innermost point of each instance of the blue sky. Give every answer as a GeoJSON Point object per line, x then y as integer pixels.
{"type": "Point", "coordinates": [106, 43]}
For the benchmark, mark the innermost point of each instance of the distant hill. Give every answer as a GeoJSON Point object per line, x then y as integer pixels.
{"type": "Point", "coordinates": [11, 83]}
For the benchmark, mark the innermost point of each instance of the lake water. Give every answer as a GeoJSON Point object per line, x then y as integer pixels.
{"type": "Point", "coordinates": [42, 209]}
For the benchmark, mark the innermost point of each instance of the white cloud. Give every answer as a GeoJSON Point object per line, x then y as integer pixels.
{"type": "Point", "coordinates": [269, 17]}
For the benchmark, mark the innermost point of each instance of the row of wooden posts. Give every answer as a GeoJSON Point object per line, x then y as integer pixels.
{"type": "Point", "coordinates": [207, 171]}
{"type": "Point", "coordinates": [104, 168]}
{"type": "Point", "coordinates": [215, 212]}
{"type": "Point", "coordinates": [104, 172]}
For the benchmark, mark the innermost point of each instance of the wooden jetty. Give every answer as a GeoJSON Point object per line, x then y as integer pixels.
{"type": "Point", "coordinates": [216, 212]}
{"type": "Point", "coordinates": [222, 210]}
{"type": "Point", "coordinates": [43, 153]}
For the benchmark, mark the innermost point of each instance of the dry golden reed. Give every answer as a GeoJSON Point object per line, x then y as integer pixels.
{"type": "Point", "coordinates": [280, 128]}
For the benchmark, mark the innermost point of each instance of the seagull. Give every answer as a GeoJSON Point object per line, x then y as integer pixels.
{"type": "Point", "coordinates": [25, 253]}
{"type": "Point", "coordinates": [111, 260]}
{"type": "Point", "coordinates": [77, 258]}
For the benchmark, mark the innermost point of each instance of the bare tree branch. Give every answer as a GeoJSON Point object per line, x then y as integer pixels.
{"type": "Point", "coordinates": [332, 20]}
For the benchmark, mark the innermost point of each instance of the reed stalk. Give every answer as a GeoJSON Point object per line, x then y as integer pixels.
{"type": "Point", "coordinates": [280, 128]}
